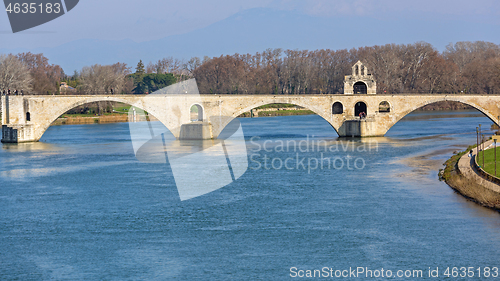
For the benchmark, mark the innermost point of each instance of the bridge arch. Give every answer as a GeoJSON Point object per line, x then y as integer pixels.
{"type": "Point", "coordinates": [60, 111]}
{"type": "Point", "coordinates": [403, 113]}
{"type": "Point", "coordinates": [324, 113]}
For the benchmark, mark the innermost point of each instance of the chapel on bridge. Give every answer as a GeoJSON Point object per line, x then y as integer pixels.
{"type": "Point", "coordinates": [360, 82]}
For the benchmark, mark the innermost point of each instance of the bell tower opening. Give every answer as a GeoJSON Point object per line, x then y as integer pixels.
{"type": "Point", "coordinates": [360, 88]}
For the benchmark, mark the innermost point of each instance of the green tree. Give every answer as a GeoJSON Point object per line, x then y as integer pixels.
{"type": "Point", "coordinates": [151, 82]}
{"type": "Point", "coordinates": [154, 82]}
{"type": "Point", "coordinates": [139, 86]}
{"type": "Point", "coordinates": [73, 81]}
{"type": "Point", "coordinates": [140, 68]}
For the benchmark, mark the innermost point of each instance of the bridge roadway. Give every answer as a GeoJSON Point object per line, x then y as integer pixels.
{"type": "Point", "coordinates": [26, 118]}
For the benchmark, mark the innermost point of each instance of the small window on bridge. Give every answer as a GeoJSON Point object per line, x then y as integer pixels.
{"type": "Point", "coordinates": [28, 116]}
{"type": "Point", "coordinates": [337, 108]}
{"type": "Point", "coordinates": [196, 112]}
{"type": "Point", "coordinates": [384, 107]}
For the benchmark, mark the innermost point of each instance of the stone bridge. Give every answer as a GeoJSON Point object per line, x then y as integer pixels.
{"type": "Point", "coordinates": [26, 118]}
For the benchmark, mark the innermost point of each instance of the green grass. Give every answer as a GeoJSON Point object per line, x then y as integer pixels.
{"type": "Point", "coordinates": [489, 160]}
{"type": "Point", "coordinates": [77, 115]}
{"type": "Point", "coordinates": [122, 109]}
{"type": "Point", "coordinates": [285, 112]}
{"type": "Point", "coordinates": [276, 105]}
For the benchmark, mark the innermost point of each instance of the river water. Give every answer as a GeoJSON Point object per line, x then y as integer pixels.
{"type": "Point", "coordinates": [79, 206]}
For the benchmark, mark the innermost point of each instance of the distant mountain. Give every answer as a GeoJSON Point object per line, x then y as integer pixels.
{"type": "Point", "coordinates": [255, 30]}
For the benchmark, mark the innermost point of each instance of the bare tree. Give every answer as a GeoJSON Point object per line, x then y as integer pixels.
{"type": "Point", "coordinates": [14, 74]}
{"type": "Point", "coordinates": [192, 64]}
{"type": "Point", "coordinates": [46, 77]}
{"type": "Point", "coordinates": [463, 53]}
{"type": "Point", "coordinates": [151, 68]}
{"type": "Point", "coordinates": [104, 78]}
{"type": "Point", "coordinates": [162, 66]}
{"type": "Point", "coordinates": [414, 59]}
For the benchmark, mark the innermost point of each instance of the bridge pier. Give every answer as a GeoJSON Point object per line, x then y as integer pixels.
{"type": "Point", "coordinates": [15, 127]}
{"type": "Point", "coordinates": [196, 131]}
{"type": "Point", "coordinates": [361, 128]}
{"type": "Point", "coordinates": [18, 133]}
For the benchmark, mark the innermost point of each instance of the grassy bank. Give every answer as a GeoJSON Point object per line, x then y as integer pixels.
{"type": "Point", "coordinates": [489, 160]}
{"type": "Point", "coordinates": [468, 187]}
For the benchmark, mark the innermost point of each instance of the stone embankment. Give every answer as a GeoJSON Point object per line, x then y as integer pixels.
{"type": "Point", "coordinates": [472, 182]}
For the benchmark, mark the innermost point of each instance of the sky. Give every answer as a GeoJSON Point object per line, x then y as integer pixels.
{"type": "Point", "coordinates": [154, 19]}
{"type": "Point", "coordinates": [147, 20]}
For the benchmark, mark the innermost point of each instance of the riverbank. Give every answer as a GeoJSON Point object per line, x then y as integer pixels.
{"type": "Point", "coordinates": [461, 175]}
{"type": "Point", "coordinates": [76, 120]}
{"type": "Point", "coordinates": [103, 119]}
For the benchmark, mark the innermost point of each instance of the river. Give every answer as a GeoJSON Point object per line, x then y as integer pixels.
{"type": "Point", "coordinates": [79, 206]}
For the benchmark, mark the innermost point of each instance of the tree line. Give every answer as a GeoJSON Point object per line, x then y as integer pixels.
{"type": "Point", "coordinates": [29, 73]}
{"type": "Point", "coordinates": [468, 67]}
